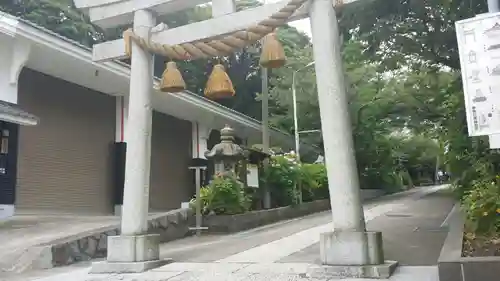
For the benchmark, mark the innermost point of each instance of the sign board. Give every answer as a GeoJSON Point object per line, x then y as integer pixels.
{"type": "Point", "coordinates": [494, 141]}
{"type": "Point", "coordinates": [6, 211]}
{"type": "Point", "coordinates": [252, 176]}
{"type": "Point", "coordinates": [479, 50]}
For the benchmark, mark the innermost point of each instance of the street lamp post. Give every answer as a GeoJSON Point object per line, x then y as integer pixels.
{"type": "Point", "coordinates": [265, 129]}
{"type": "Point", "coordinates": [265, 126]}
{"type": "Point", "coordinates": [295, 117]}
{"type": "Point", "coordinates": [309, 131]}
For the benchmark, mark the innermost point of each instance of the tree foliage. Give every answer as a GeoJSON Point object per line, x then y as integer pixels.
{"type": "Point", "coordinates": [59, 16]}
{"type": "Point", "coordinates": [419, 36]}
{"type": "Point", "coordinates": [400, 32]}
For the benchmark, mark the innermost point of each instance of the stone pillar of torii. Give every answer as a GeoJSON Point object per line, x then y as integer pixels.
{"type": "Point", "coordinates": [348, 250]}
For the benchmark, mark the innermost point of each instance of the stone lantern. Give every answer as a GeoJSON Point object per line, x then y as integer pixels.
{"type": "Point", "coordinates": [225, 154]}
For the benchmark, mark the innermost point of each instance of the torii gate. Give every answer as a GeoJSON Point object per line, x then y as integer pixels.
{"type": "Point", "coordinates": [349, 250]}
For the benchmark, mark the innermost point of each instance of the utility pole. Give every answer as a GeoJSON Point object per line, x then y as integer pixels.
{"type": "Point", "coordinates": [265, 128]}
{"type": "Point", "coordinates": [265, 125]}
{"type": "Point", "coordinates": [295, 110]}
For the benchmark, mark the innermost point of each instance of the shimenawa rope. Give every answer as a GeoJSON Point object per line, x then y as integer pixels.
{"type": "Point", "coordinates": [217, 47]}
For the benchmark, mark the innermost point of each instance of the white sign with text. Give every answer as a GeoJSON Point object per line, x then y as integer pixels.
{"type": "Point", "coordinates": [479, 50]}
{"type": "Point", "coordinates": [252, 176]}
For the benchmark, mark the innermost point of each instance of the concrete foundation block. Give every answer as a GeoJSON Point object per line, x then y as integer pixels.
{"type": "Point", "coordinates": [375, 247]}
{"type": "Point", "coordinates": [126, 267]}
{"type": "Point", "coordinates": [327, 272]}
{"type": "Point", "coordinates": [147, 247]}
{"type": "Point", "coordinates": [133, 248]}
{"type": "Point", "coordinates": [118, 210]}
{"type": "Point", "coordinates": [121, 248]}
{"type": "Point", "coordinates": [351, 248]}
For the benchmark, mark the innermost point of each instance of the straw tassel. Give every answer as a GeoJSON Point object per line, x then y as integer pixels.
{"type": "Point", "coordinates": [219, 84]}
{"type": "Point", "coordinates": [171, 80]}
{"type": "Point", "coordinates": [273, 54]}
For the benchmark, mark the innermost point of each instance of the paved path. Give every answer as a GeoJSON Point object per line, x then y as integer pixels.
{"type": "Point", "coordinates": [413, 226]}
{"type": "Point", "coordinates": [413, 233]}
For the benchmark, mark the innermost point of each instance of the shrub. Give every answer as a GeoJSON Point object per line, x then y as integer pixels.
{"type": "Point", "coordinates": [281, 176]}
{"type": "Point", "coordinates": [313, 181]}
{"type": "Point", "coordinates": [291, 182]}
{"type": "Point", "coordinates": [482, 206]}
{"type": "Point", "coordinates": [223, 196]}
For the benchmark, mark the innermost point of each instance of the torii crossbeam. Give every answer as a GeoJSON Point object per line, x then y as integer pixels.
{"type": "Point", "coordinates": [349, 250]}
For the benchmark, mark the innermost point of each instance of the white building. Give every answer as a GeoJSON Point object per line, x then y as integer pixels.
{"type": "Point", "coordinates": [63, 119]}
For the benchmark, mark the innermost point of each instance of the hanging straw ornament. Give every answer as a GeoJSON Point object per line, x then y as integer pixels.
{"type": "Point", "coordinates": [273, 54]}
{"type": "Point", "coordinates": [219, 84]}
{"type": "Point", "coordinates": [171, 80]}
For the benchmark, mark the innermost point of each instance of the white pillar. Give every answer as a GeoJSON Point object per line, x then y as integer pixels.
{"type": "Point", "coordinates": [335, 121]}
{"type": "Point", "coordinates": [135, 250]}
{"type": "Point", "coordinates": [493, 6]}
{"type": "Point", "coordinates": [200, 134]}
{"type": "Point", "coordinates": [121, 118]}
{"type": "Point", "coordinates": [349, 244]}
{"type": "Point", "coordinates": [138, 134]}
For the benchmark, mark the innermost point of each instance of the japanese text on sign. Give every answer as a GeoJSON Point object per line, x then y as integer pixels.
{"type": "Point", "coordinates": [479, 50]}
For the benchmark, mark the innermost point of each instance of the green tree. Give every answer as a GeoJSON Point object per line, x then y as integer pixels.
{"type": "Point", "coordinates": [381, 105]}
{"type": "Point", "coordinates": [59, 16]}
{"type": "Point", "coordinates": [401, 32]}
{"type": "Point", "coordinates": [420, 36]}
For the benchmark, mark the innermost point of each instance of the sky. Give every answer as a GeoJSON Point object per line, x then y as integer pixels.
{"type": "Point", "coordinates": [301, 25]}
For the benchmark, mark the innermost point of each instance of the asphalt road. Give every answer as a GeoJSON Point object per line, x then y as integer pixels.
{"type": "Point", "coordinates": [411, 223]}
{"type": "Point", "coordinates": [413, 234]}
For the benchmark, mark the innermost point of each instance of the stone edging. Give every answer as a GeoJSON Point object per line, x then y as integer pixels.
{"type": "Point", "coordinates": [453, 267]}
{"type": "Point", "coordinates": [172, 225]}
{"type": "Point", "coordinates": [93, 243]}
{"type": "Point", "coordinates": [240, 222]}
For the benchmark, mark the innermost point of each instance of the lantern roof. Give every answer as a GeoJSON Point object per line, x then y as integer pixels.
{"type": "Point", "coordinates": [226, 149]}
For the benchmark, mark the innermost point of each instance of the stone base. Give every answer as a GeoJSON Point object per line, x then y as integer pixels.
{"type": "Point", "coordinates": [133, 248]}
{"type": "Point", "coordinates": [351, 248]}
{"type": "Point", "coordinates": [131, 254]}
{"type": "Point", "coordinates": [118, 210]}
{"type": "Point", "coordinates": [380, 271]}
{"type": "Point", "coordinates": [352, 254]}
{"type": "Point", "coordinates": [126, 267]}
